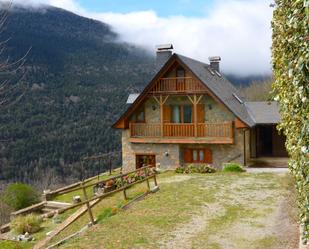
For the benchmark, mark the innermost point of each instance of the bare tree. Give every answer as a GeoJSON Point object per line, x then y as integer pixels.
{"type": "Point", "coordinates": [12, 73]}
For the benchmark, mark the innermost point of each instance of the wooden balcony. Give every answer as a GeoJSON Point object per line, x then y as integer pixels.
{"type": "Point", "coordinates": [177, 85]}
{"type": "Point", "coordinates": [212, 133]}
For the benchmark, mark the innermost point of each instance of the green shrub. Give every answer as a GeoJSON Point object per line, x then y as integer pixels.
{"type": "Point", "coordinates": [30, 223]}
{"type": "Point", "coordinates": [233, 167]}
{"type": "Point", "coordinates": [180, 170]}
{"type": "Point", "coordinates": [290, 57]}
{"type": "Point", "coordinates": [19, 195]}
{"type": "Point", "coordinates": [195, 168]}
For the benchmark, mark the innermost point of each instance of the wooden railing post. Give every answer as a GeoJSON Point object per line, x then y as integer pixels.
{"type": "Point", "coordinates": [87, 203]}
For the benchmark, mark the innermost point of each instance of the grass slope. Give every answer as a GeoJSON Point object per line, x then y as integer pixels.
{"type": "Point", "coordinates": [203, 211]}
{"type": "Point", "coordinates": [195, 211]}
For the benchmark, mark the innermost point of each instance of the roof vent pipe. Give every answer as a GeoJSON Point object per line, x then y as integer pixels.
{"type": "Point", "coordinates": [164, 52]}
{"type": "Point", "coordinates": [215, 63]}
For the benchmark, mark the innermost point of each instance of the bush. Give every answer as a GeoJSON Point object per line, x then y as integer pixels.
{"type": "Point", "coordinates": [180, 170]}
{"type": "Point", "coordinates": [195, 168]}
{"type": "Point", "coordinates": [30, 223]}
{"type": "Point", "coordinates": [233, 167]}
{"type": "Point", "coordinates": [290, 57]}
{"type": "Point", "coordinates": [19, 195]}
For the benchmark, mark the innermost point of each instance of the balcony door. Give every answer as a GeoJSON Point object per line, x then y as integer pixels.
{"type": "Point", "coordinates": [180, 79]}
{"type": "Point", "coordinates": [181, 114]}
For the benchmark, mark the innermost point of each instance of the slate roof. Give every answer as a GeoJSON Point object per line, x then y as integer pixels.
{"type": "Point", "coordinates": [221, 87]}
{"type": "Point", "coordinates": [264, 112]}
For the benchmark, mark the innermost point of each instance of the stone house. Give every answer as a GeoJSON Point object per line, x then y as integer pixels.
{"type": "Point", "coordinates": [190, 113]}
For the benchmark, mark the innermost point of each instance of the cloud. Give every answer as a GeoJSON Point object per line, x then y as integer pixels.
{"type": "Point", "coordinates": [237, 30]}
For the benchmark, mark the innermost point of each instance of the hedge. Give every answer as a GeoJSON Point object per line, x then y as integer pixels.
{"type": "Point", "coordinates": [290, 54]}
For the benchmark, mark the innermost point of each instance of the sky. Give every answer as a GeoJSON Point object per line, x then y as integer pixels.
{"type": "Point", "coordinates": [237, 30]}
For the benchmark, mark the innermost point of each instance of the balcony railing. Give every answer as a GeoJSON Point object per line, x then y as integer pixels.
{"type": "Point", "coordinates": [177, 84]}
{"type": "Point", "coordinates": [220, 130]}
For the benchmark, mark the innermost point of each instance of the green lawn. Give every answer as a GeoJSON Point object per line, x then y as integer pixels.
{"type": "Point", "coordinates": [221, 210]}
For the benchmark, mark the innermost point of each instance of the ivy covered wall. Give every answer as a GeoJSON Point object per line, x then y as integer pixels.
{"type": "Point", "coordinates": [290, 51]}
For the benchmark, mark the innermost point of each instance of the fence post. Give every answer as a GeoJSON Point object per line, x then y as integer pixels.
{"type": "Point", "coordinates": [155, 179]}
{"type": "Point", "coordinates": [146, 175]}
{"type": "Point", "coordinates": [124, 190]}
{"type": "Point", "coordinates": [87, 203]}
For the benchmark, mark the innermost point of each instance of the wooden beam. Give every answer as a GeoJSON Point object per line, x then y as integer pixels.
{"type": "Point", "coordinates": [239, 124]}
{"type": "Point", "coordinates": [162, 115]}
{"type": "Point", "coordinates": [195, 115]}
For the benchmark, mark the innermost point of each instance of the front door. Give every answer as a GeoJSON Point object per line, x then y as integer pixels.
{"type": "Point", "coordinates": [145, 160]}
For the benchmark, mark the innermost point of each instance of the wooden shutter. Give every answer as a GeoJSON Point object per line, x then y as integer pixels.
{"type": "Point", "coordinates": [187, 156]}
{"type": "Point", "coordinates": [207, 156]}
{"type": "Point", "coordinates": [200, 110]}
{"type": "Point", "coordinates": [166, 114]}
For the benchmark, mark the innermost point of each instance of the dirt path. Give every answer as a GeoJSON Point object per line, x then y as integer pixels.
{"type": "Point", "coordinates": [256, 217]}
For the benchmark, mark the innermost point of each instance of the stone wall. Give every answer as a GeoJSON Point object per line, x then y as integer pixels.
{"type": "Point", "coordinates": [129, 150]}
{"type": "Point", "coordinates": [221, 153]}
{"type": "Point", "coordinates": [215, 112]}
{"type": "Point", "coordinates": [152, 111]}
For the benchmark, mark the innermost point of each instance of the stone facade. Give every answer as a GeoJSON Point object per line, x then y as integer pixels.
{"type": "Point", "coordinates": [170, 156]}
{"type": "Point", "coordinates": [167, 155]}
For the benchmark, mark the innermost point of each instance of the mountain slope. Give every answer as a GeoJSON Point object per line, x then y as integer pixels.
{"type": "Point", "coordinates": [79, 77]}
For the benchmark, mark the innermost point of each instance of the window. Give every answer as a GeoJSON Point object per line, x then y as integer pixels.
{"type": "Point", "coordinates": [176, 113]}
{"type": "Point", "coordinates": [180, 72]}
{"type": "Point", "coordinates": [145, 160]}
{"type": "Point", "coordinates": [197, 155]}
{"type": "Point", "coordinates": [181, 114]}
{"type": "Point", "coordinates": [201, 155]}
{"type": "Point", "coordinates": [187, 114]}
{"type": "Point", "coordinates": [180, 79]}
{"type": "Point", "coordinates": [140, 115]}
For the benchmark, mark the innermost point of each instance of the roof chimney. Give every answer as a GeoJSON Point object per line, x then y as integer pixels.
{"type": "Point", "coordinates": [215, 63]}
{"type": "Point", "coordinates": [164, 52]}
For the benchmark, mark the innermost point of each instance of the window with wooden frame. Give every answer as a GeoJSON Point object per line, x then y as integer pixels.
{"type": "Point", "coordinates": [197, 155]}
{"type": "Point", "coordinates": [181, 114]}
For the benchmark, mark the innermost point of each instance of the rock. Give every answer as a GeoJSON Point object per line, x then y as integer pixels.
{"type": "Point", "coordinates": [24, 237]}
{"type": "Point", "coordinates": [46, 191]}
{"type": "Point", "coordinates": [77, 199]}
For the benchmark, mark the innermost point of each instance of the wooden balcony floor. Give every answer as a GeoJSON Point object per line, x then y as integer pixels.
{"type": "Point", "coordinates": [187, 140]}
